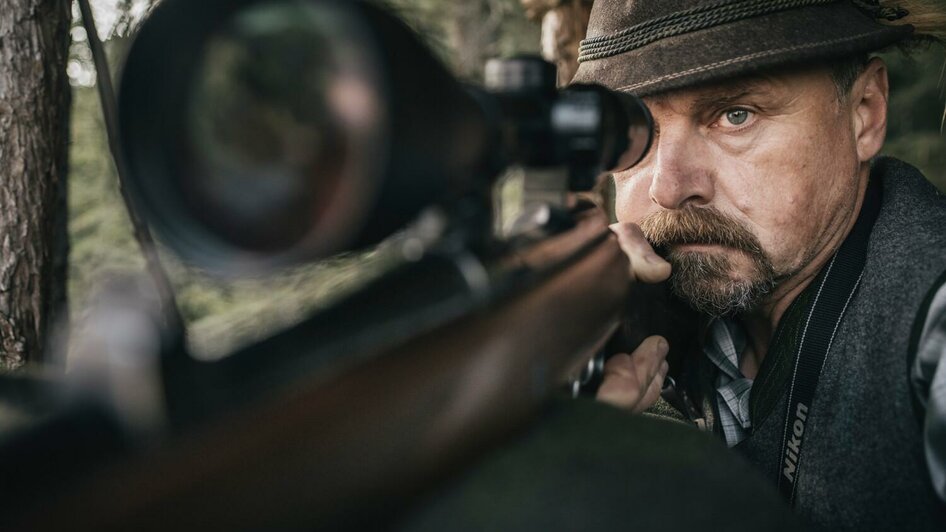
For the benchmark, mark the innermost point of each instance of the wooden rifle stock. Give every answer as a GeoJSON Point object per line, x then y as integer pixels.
{"type": "Point", "coordinates": [356, 448]}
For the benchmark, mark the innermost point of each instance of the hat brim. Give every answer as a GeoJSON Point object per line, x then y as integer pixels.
{"type": "Point", "coordinates": [795, 37]}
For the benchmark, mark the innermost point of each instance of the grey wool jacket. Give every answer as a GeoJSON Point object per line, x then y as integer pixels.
{"type": "Point", "coordinates": [863, 465]}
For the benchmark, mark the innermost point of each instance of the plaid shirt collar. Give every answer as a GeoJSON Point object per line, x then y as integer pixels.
{"type": "Point", "coordinates": [725, 343]}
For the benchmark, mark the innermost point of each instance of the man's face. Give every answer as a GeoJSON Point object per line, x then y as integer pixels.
{"type": "Point", "coordinates": [746, 184]}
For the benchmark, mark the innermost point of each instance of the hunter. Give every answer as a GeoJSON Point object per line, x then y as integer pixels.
{"type": "Point", "coordinates": [817, 265]}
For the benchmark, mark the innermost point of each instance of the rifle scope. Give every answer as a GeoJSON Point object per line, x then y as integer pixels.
{"type": "Point", "coordinates": [261, 133]}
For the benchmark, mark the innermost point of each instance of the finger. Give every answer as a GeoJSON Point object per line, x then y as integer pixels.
{"type": "Point", "coordinates": [621, 365]}
{"type": "Point", "coordinates": [649, 355]}
{"type": "Point", "coordinates": [650, 396]}
{"type": "Point", "coordinates": [646, 264]}
{"type": "Point", "coordinates": [622, 391]}
{"type": "Point", "coordinates": [627, 378]}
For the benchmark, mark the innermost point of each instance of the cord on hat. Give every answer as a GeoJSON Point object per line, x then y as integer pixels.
{"type": "Point", "coordinates": [686, 21]}
{"type": "Point", "coordinates": [874, 9]}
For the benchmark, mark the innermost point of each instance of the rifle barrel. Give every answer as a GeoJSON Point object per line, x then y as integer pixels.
{"type": "Point", "coordinates": [360, 446]}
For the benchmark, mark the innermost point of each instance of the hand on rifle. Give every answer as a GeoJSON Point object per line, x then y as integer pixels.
{"type": "Point", "coordinates": [633, 382]}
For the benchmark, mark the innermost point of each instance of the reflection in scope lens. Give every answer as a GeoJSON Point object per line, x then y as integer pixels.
{"type": "Point", "coordinates": [285, 124]}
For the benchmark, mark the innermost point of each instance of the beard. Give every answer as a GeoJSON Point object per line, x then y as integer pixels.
{"type": "Point", "coordinates": [708, 281]}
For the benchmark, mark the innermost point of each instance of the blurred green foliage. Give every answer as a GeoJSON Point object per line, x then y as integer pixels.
{"type": "Point", "coordinates": [465, 33]}
{"type": "Point", "coordinates": [221, 314]}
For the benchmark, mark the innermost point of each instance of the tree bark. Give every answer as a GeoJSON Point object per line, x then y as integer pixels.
{"type": "Point", "coordinates": [34, 118]}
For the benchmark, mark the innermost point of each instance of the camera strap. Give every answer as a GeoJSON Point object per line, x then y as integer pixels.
{"type": "Point", "coordinates": [836, 286]}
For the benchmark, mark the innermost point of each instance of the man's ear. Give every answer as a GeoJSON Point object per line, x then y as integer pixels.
{"type": "Point", "coordinates": [869, 109]}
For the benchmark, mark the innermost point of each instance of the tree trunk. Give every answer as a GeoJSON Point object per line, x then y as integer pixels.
{"type": "Point", "coordinates": [34, 118]}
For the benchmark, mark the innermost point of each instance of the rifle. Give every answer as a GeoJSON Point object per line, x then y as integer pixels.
{"type": "Point", "coordinates": [271, 133]}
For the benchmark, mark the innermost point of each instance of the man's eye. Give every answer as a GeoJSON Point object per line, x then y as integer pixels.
{"type": "Point", "coordinates": [737, 117]}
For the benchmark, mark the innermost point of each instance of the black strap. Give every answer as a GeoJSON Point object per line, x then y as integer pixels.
{"type": "Point", "coordinates": [836, 286]}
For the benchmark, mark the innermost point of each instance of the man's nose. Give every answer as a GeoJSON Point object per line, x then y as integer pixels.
{"type": "Point", "coordinates": [682, 172]}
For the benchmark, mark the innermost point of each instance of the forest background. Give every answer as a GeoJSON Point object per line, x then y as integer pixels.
{"type": "Point", "coordinates": [223, 314]}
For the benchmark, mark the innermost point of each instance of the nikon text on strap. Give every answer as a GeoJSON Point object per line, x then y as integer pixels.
{"type": "Point", "coordinates": [836, 287]}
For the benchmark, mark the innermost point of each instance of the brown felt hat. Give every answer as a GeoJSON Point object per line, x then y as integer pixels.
{"type": "Point", "coordinates": [652, 46]}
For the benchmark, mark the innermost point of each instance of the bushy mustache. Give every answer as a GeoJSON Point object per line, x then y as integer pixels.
{"type": "Point", "coordinates": [703, 279]}
{"type": "Point", "coordinates": [698, 225]}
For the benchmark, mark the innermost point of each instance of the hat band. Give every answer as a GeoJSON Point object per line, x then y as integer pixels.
{"type": "Point", "coordinates": [684, 22]}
